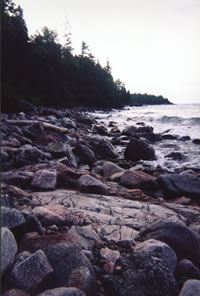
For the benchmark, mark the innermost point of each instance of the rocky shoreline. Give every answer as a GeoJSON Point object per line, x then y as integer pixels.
{"type": "Point", "coordinates": [81, 218]}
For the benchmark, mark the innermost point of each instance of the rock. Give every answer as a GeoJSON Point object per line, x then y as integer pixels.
{"type": "Point", "coordinates": [103, 149]}
{"type": "Point", "coordinates": [110, 255]}
{"type": "Point", "coordinates": [72, 160]}
{"type": "Point", "coordinates": [144, 129]}
{"type": "Point", "coordinates": [57, 149]}
{"type": "Point", "coordinates": [141, 275]}
{"type": "Point", "coordinates": [176, 156]}
{"type": "Point", "coordinates": [25, 106]}
{"type": "Point", "coordinates": [87, 236]}
{"type": "Point", "coordinates": [109, 267]}
{"type": "Point", "coordinates": [187, 269]}
{"type": "Point", "coordinates": [19, 179]}
{"type": "Point", "coordinates": [67, 178]}
{"type": "Point", "coordinates": [11, 218]}
{"type": "Point", "coordinates": [15, 292]}
{"type": "Point", "coordinates": [109, 168]}
{"type": "Point", "coordinates": [35, 130]}
{"type": "Point", "coordinates": [68, 123]}
{"type": "Point", "coordinates": [157, 248]}
{"type": "Point", "coordinates": [53, 214]}
{"type": "Point", "coordinates": [100, 129]}
{"type": "Point", "coordinates": [196, 141]}
{"type": "Point", "coordinates": [138, 149]}
{"type": "Point", "coordinates": [85, 154]}
{"type": "Point", "coordinates": [191, 288]}
{"type": "Point", "coordinates": [169, 137]}
{"type": "Point", "coordinates": [45, 180]}
{"type": "Point", "coordinates": [185, 138]}
{"type": "Point", "coordinates": [8, 249]}
{"type": "Point", "coordinates": [177, 185]}
{"type": "Point", "coordinates": [62, 291]}
{"type": "Point", "coordinates": [150, 136]}
{"type": "Point", "coordinates": [27, 156]}
{"type": "Point", "coordinates": [184, 241]}
{"type": "Point", "coordinates": [71, 268]}
{"type": "Point", "coordinates": [89, 184]}
{"type": "Point", "coordinates": [129, 130]}
{"type": "Point", "coordinates": [29, 273]}
{"type": "Point", "coordinates": [136, 179]}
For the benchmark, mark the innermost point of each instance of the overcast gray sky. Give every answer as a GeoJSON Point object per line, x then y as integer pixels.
{"type": "Point", "coordinates": [153, 45]}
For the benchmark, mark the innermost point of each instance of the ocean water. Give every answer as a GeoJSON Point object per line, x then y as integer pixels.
{"type": "Point", "coordinates": [181, 120]}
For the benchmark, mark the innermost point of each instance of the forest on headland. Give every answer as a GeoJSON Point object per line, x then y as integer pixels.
{"type": "Point", "coordinates": [46, 73]}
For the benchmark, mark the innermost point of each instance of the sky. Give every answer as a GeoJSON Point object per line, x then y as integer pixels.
{"type": "Point", "coordinates": [153, 46]}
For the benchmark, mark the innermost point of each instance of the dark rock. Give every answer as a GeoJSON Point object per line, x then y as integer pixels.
{"type": "Point", "coordinates": [71, 268]}
{"type": "Point", "coordinates": [141, 275]}
{"type": "Point", "coordinates": [19, 179]}
{"type": "Point", "coordinates": [11, 218]}
{"type": "Point", "coordinates": [186, 268]}
{"type": "Point", "coordinates": [28, 155]}
{"type": "Point", "coordinates": [15, 292]}
{"type": "Point", "coordinates": [184, 241]}
{"type": "Point", "coordinates": [196, 141]}
{"type": "Point", "coordinates": [151, 137]}
{"type": "Point", "coordinates": [26, 107]}
{"type": "Point", "coordinates": [8, 249]}
{"type": "Point", "coordinates": [62, 292]}
{"type": "Point", "coordinates": [144, 129]}
{"type": "Point", "coordinates": [58, 149]}
{"type": "Point", "coordinates": [100, 129]}
{"type": "Point", "coordinates": [68, 177]}
{"type": "Point", "coordinates": [45, 180]}
{"type": "Point", "coordinates": [89, 184]}
{"type": "Point", "coordinates": [129, 131]}
{"type": "Point", "coordinates": [103, 149]}
{"type": "Point", "coordinates": [138, 149]}
{"type": "Point", "coordinates": [85, 154]}
{"type": "Point", "coordinates": [23, 140]}
{"type": "Point", "coordinates": [85, 119]}
{"type": "Point", "coordinates": [68, 123]}
{"type": "Point", "coordinates": [176, 156]}
{"type": "Point", "coordinates": [109, 168]}
{"type": "Point", "coordinates": [170, 137]}
{"type": "Point", "coordinates": [35, 130]}
{"type": "Point", "coordinates": [136, 179]}
{"type": "Point", "coordinates": [177, 185]}
{"type": "Point", "coordinates": [185, 138]}
{"type": "Point", "coordinates": [191, 288]}
{"type": "Point", "coordinates": [72, 160]}
{"type": "Point", "coordinates": [29, 273]}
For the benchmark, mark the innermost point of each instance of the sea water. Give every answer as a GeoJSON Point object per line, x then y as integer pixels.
{"type": "Point", "coordinates": [181, 120]}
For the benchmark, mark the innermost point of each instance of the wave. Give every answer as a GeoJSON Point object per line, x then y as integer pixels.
{"type": "Point", "coordinates": [179, 120]}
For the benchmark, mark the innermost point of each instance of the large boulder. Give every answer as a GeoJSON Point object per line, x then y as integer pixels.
{"type": "Point", "coordinates": [176, 185]}
{"type": "Point", "coordinates": [89, 184]}
{"type": "Point", "coordinates": [45, 180]}
{"type": "Point", "coordinates": [8, 249]}
{"type": "Point", "coordinates": [85, 154]}
{"type": "Point", "coordinates": [139, 149]}
{"type": "Point", "coordinates": [183, 240]}
{"type": "Point", "coordinates": [71, 268]}
{"type": "Point", "coordinates": [190, 288]}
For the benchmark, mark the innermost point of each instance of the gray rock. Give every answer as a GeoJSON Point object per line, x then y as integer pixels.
{"type": "Point", "coordinates": [129, 130]}
{"type": "Point", "coordinates": [35, 130]}
{"type": "Point", "coordinates": [85, 154]}
{"type": "Point", "coordinates": [71, 268]}
{"type": "Point", "coordinates": [63, 292]}
{"type": "Point", "coordinates": [184, 241]}
{"type": "Point", "coordinates": [68, 123]}
{"type": "Point", "coordinates": [45, 180]}
{"type": "Point", "coordinates": [11, 218]}
{"type": "Point", "coordinates": [157, 248]}
{"type": "Point", "coordinates": [187, 269]}
{"type": "Point", "coordinates": [27, 156]}
{"type": "Point", "coordinates": [176, 185]}
{"type": "Point", "coordinates": [68, 177]}
{"type": "Point", "coordinates": [139, 149]}
{"type": "Point", "coordinates": [58, 149]}
{"type": "Point", "coordinates": [19, 179]}
{"type": "Point", "coordinates": [109, 168]}
{"type": "Point", "coordinates": [29, 273]}
{"type": "Point", "coordinates": [103, 149]}
{"type": "Point", "coordinates": [136, 179]}
{"type": "Point", "coordinates": [89, 184]}
{"type": "Point", "coordinates": [87, 236]}
{"type": "Point", "coordinates": [8, 249]}
{"type": "Point", "coordinates": [191, 288]}
{"type": "Point", "coordinates": [15, 292]}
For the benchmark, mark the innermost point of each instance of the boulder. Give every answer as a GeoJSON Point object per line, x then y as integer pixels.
{"type": "Point", "coordinates": [25, 106]}
{"type": "Point", "coordinates": [89, 184]}
{"type": "Point", "coordinates": [11, 218]}
{"type": "Point", "coordinates": [109, 168]}
{"type": "Point", "coordinates": [139, 149]}
{"type": "Point", "coordinates": [45, 180]}
{"type": "Point", "coordinates": [72, 160]}
{"type": "Point", "coordinates": [176, 156]}
{"type": "Point", "coordinates": [68, 177]}
{"type": "Point", "coordinates": [177, 185]}
{"type": "Point", "coordinates": [196, 141]}
{"type": "Point", "coordinates": [190, 288]}
{"type": "Point", "coordinates": [159, 249]}
{"type": "Point", "coordinates": [129, 130]}
{"type": "Point", "coordinates": [187, 269]}
{"type": "Point", "coordinates": [57, 149]}
{"type": "Point", "coordinates": [35, 130]}
{"type": "Point", "coordinates": [85, 154]}
{"type": "Point", "coordinates": [103, 149]}
{"type": "Point", "coordinates": [8, 249]}
{"type": "Point", "coordinates": [28, 155]}
{"type": "Point", "coordinates": [71, 268]}
{"type": "Point", "coordinates": [32, 271]}
{"type": "Point", "coordinates": [183, 240]}
{"type": "Point", "coordinates": [68, 123]}
{"type": "Point", "coordinates": [62, 291]}
{"type": "Point", "coordinates": [136, 179]}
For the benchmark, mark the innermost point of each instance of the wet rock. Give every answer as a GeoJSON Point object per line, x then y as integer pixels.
{"type": "Point", "coordinates": [159, 249]}
{"type": "Point", "coordinates": [150, 136]}
{"type": "Point", "coordinates": [8, 249]}
{"type": "Point", "coordinates": [187, 269]}
{"type": "Point", "coordinates": [103, 149]}
{"type": "Point", "coordinates": [35, 130]}
{"type": "Point", "coordinates": [144, 129]}
{"type": "Point", "coordinates": [71, 268]}
{"type": "Point", "coordinates": [110, 255]}
{"type": "Point", "coordinates": [141, 275]}
{"type": "Point", "coordinates": [62, 291]}
{"type": "Point", "coordinates": [57, 149]}
{"type": "Point", "coordinates": [29, 273]}
{"type": "Point", "coordinates": [19, 179]}
{"type": "Point", "coordinates": [129, 130]}
{"type": "Point", "coordinates": [169, 137]}
{"type": "Point", "coordinates": [136, 179]}
{"type": "Point", "coordinates": [15, 292]}
{"type": "Point", "coordinates": [11, 218]}
{"type": "Point", "coordinates": [28, 155]}
{"type": "Point", "coordinates": [45, 180]}
{"type": "Point", "coordinates": [72, 160]}
{"type": "Point", "coordinates": [68, 178]}
{"type": "Point", "coordinates": [184, 241]}
{"type": "Point", "coordinates": [176, 185]}
{"type": "Point", "coordinates": [68, 123]}
{"type": "Point", "coordinates": [196, 141]}
{"type": "Point", "coordinates": [25, 106]}
{"type": "Point", "coordinates": [190, 288]}
{"type": "Point", "coordinates": [138, 149]}
{"type": "Point", "coordinates": [109, 168]}
{"type": "Point", "coordinates": [185, 138]}
{"type": "Point", "coordinates": [85, 154]}
{"type": "Point", "coordinates": [176, 156]}
{"type": "Point", "coordinates": [89, 184]}
{"type": "Point", "coordinates": [100, 129]}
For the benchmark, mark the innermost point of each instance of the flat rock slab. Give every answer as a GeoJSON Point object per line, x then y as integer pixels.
{"type": "Point", "coordinates": [111, 217]}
